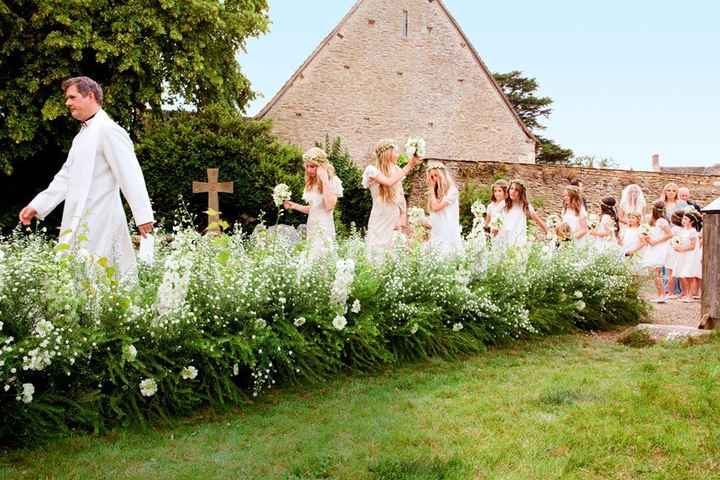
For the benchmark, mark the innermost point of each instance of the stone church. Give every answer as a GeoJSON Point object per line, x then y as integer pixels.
{"type": "Point", "coordinates": [394, 69]}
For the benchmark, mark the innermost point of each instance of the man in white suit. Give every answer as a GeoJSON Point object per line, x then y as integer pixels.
{"type": "Point", "coordinates": [100, 164]}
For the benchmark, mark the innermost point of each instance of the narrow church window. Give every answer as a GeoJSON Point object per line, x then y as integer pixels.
{"type": "Point", "coordinates": [406, 23]}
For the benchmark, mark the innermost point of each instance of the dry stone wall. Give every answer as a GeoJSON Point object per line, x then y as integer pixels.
{"type": "Point", "coordinates": [546, 182]}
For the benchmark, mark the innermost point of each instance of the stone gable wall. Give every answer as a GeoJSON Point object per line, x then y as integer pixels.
{"type": "Point", "coordinates": [369, 82]}
{"type": "Point", "coordinates": [546, 182]}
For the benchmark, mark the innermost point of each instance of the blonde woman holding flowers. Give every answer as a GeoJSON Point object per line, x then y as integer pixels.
{"type": "Point", "coordinates": [384, 180]}
{"type": "Point", "coordinates": [631, 201]}
{"type": "Point", "coordinates": [322, 190]}
{"type": "Point", "coordinates": [516, 214]}
{"type": "Point", "coordinates": [670, 198]}
{"type": "Point", "coordinates": [574, 213]}
{"type": "Point", "coordinates": [444, 207]}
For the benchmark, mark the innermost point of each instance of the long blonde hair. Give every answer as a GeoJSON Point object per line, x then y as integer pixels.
{"type": "Point", "coordinates": [384, 160]}
{"type": "Point", "coordinates": [575, 202]}
{"type": "Point", "coordinates": [446, 182]}
{"type": "Point", "coordinates": [317, 156]}
{"type": "Point", "coordinates": [664, 197]}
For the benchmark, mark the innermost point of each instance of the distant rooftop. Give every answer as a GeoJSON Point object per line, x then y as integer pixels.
{"type": "Point", "coordinates": [713, 170]}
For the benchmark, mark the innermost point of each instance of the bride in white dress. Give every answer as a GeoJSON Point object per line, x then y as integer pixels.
{"type": "Point", "coordinates": [444, 207]}
{"type": "Point", "coordinates": [322, 190]}
{"type": "Point", "coordinates": [389, 210]}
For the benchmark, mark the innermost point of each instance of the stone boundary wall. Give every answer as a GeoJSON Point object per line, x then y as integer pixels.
{"type": "Point", "coordinates": [545, 183]}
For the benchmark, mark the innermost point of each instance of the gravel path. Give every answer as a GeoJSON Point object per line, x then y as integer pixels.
{"type": "Point", "coordinates": [672, 313]}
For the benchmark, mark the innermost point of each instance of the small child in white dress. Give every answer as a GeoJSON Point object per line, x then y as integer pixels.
{"type": "Point", "coordinates": [517, 212]}
{"type": "Point", "coordinates": [389, 209]}
{"type": "Point", "coordinates": [686, 267]}
{"type": "Point", "coordinates": [654, 255]}
{"type": "Point", "coordinates": [630, 239]}
{"type": "Point", "coordinates": [496, 208]}
{"type": "Point", "coordinates": [444, 207]}
{"type": "Point", "coordinates": [322, 190]}
{"type": "Point", "coordinates": [608, 228]}
{"type": "Point", "coordinates": [574, 213]}
{"type": "Point", "coordinates": [672, 257]}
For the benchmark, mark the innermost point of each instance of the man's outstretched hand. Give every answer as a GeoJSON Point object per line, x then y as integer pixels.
{"type": "Point", "coordinates": [27, 214]}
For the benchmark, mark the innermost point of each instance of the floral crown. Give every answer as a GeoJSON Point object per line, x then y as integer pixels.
{"type": "Point", "coordinates": [383, 147]}
{"type": "Point", "coordinates": [435, 164]}
{"type": "Point", "coordinates": [316, 155]}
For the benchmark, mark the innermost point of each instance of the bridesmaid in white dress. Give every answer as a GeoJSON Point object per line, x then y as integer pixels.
{"type": "Point", "coordinates": [574, 213]}
{"type": "Point", "coordinates": [389, 210]}
{"type": "Point", "coordinates": [496, 207]}
{"type": "Point", "coordinates": [654, 256]}
{"type": "Point", "coordinates": [444, 207]}
{"type": "Point", "coordinates": [672, 257]}
{"type": "Point", "coordinates": [517, 212]}
{"type": "Point", "coordinates": [608, 229]}
{"type": "Point", "coordinates": [686, 267]}
{"type": "Point", "coordinates": [630, 238]}
{"type": "Point", "coordinates": [322, 190]}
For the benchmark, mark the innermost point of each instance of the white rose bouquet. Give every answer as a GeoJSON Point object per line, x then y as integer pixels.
{"type": "Point", "coordinates": [416, 146]}
{"type": "Point", "coordinates": [496, 223]}
{"type": "Point", "coordinates": [676, 241]}
{"type": "Point", "coordinates": [593, 221]}
{"type": "Point", "coordinates": [419, 222]}
{"type": "Point", "coordinates": [552, 221]}
{"type": "Point", "coordinates": [281, 193]}
{"type": "Point", "coordinates": [644, 229]}
{"type": "Point", "coordinates": [478, 209]}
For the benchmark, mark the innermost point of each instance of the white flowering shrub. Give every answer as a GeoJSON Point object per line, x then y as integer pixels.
{"type": "Point", "coordinates": [217, 319]}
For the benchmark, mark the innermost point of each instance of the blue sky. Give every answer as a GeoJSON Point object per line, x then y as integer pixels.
{"type": "Point", "coordinates": [629, 79]}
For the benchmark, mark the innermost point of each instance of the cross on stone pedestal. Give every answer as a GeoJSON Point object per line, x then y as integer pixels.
{"type": "Point", "coordinates": [212, 187]}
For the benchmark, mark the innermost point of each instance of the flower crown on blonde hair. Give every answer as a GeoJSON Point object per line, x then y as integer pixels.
{"type": "Point", "coordinates": [315, 155]}
{"type": "Point", "coordinates": [436, 165]}
{"type": "Point", "coordinates": [383, 146]}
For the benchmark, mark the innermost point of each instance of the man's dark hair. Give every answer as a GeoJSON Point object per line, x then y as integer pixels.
{"type": "Point", "coordinates": [85, 86]}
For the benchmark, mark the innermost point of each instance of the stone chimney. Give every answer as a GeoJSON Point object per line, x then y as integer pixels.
{"type": "Point", "coordinates": [656, 162]}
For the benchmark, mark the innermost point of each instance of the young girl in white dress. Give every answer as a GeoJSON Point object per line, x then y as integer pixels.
{"type": "Point", "coordinates": [389, 210]}
{"type": "Point", "coordinates": [686, 267]}
{"type": "Point", "coordinates": [631, 201]}
{"type": "Point", "coordinates": [672, 257]}
{"type": "Point", "coordinates": [574, 213]}
{"type": "Point", "coordinates": [630, 238]}
{"type": "Point", "coordinates": [654, 255]}
{"type": "Point", "coordinates": [322, 190]}
{"type": "Point", "coordinates": [444, 207]}
{"type": "Point", "coordinates": [696, 281]}
{"type": "Point", "coordinates": [496, 207]}
{"type": "Point", "coordinates": [607, 231]}
{"type": "Point", "coordinates": [515, 217]}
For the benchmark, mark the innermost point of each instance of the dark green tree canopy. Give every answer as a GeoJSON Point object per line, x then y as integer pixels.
{"type": "Point", "coordinates": [143, 52]}
{"type": "Point", "coordinates": [522, 93]}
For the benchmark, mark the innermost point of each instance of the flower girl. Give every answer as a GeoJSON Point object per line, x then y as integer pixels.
{"type": "Point", "coordinates": [686, 267]}
{"type": "Point", "coordinates": [384, 180]}
{"type": "Point", "coordinates": [608, 228]}
{"type": "Point", "coordinates": [444, 207]}
{"type": "Point", "coordinates": [672, 257]}
{"type": "Point", "coordinates": [517, 210]}
{"type": "Point", "coordinates": [654, 255]}
{"type": "Point", "coordinates": [574, 213]}
{"type": "Point", "coordinates": [630, 238]}
{"type": "Point", "coordinates": [322, 190]}
{"type": "Point", "coordinates": [496, 207]}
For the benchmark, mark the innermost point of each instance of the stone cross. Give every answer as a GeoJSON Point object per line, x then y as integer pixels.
{"type": "Point", "coordinates": [212, 187]}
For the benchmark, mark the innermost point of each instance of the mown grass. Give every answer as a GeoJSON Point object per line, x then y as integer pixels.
{"type": "Point", "coordinates": [575, 407]}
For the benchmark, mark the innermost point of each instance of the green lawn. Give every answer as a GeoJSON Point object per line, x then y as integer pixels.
{"type": "Point", "coordinates": [569, 407]}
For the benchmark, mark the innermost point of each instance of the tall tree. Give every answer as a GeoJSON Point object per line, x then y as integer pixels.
{"type": "Point", "coordinates": [143, 53]}
{"type": "Point", "coordinates": [522, 93]}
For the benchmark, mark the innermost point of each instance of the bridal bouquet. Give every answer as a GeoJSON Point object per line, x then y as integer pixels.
{"type": "Point", "coordinates": [281, 193]}
{"type": "Point", "coordinates": [478, 209]}
{"type": "Point", "coordinates": [552, 221]}
{"type": "Point", "coordinates": [593, 221]}
{"type": "Point", "coordinates": [496, 223]}
{"type": "Point", "coordinates": [416, 146]}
